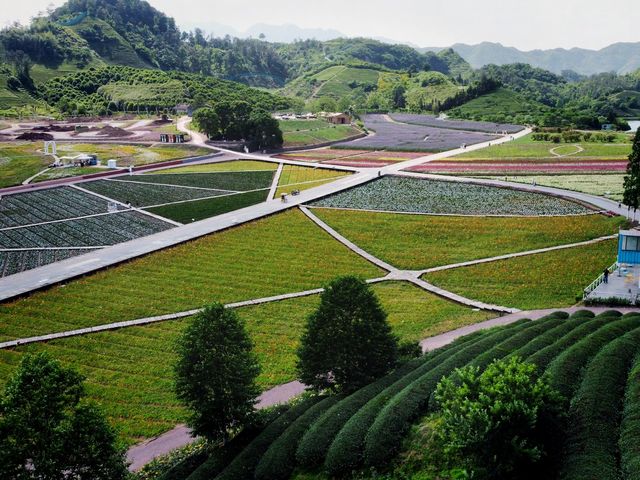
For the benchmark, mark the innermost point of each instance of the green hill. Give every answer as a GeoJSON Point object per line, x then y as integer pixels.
{"type": "Point", "coordinates": [501, 106]}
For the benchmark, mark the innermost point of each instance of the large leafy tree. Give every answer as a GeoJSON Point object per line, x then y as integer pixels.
{"type": "Point", "coordinates": [207, 121]}
{"type": "Point", "coordinates": [48, 430]}
{"type": "Point", "coordinates": [216, 373]}
{"type": "Point", "coordinates": [500, 424]}
{"type": "Point", "coordinates": [264, 131]}
{"type": "Point", "coordinates": [347, 341]}
{"type": "Point", "coordinates": [632, 180]}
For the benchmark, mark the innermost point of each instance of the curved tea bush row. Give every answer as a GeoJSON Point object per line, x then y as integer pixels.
{"type": "Point", "coordinates": [313, 447]}
{"type": "Point", "coordinates": [345, 452]}
{"type": "Point", "coordinates": [630, 427]}
{"type": "Point", "coordinates": [217, 461]}
{"type": "Point", "coordinates": [543, 357]}
{"type": "Point", "coordinates": [244, 464]}
{"type": "Point", "coordinates": [316, 441]}
{"type": "Point", "coordinates": [384, 438]}
{"type": "Point", "coordinates": [516, 341]}
{"type": "Point", "coordinates": [592, 437]}
{"type": "Point", "coordinates": [279, 460]}
{"type": "Point", "coordinates": [549, 337]}
{"type": "Point", "coordinates": [566, 370]}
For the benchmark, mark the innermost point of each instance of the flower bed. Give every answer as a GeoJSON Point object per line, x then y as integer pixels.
{"type": "Point", "coordinates": [236, 181]}
{"type": "Point", "coordinates": [496, 167]}
{"type": "Point", "coordinates": [406, 137]}
{"type": "Point", "coordinates": [47, 205]}
{"type": "Point", "coordinates": [85, 232]}
{"type": "Point", "coordinates": [431, 121]}
{"type": "Point", "coordinates": [21, 260]}
{"type": "Point", "coordinates": [141, 195]}
{"type": "Point", "coordinates": [402, 194]}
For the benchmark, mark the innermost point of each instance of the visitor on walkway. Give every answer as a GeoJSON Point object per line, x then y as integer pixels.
{"type": "Point", "coordinates": [606, 275]}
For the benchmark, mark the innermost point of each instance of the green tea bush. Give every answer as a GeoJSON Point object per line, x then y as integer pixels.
{"type": "Point", "coordinates": [243, 465]}
{"type": "Point", "coordinates": [566, 369]}
{"type": "Point", "coordinates": [384, 438]}
{"type": "Point", "coordinates": [314, 444]}
{"type": "Point", "coordinates": [280, 459]}
{"type": "Point", "coordinates": [593, 433]}
{"type": "Point", "coordinates": [630, 427]}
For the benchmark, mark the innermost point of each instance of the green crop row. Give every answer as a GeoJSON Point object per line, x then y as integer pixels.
{"type": "Point", "coordinates": [566, 370]}
{"type": "Point", "coordinates": [630, 427]}
{"type": "Point", "coordinates": [384, 438]}
{"type": "Point", "coordinates": [594, 418]}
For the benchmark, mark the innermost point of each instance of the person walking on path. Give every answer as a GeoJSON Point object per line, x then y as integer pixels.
{"type": "Point", "coordinates": [606, 275]}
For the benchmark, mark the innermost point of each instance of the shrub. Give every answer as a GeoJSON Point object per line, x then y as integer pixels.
{"type": "Point", "coordinates": [592, 436]}
{"type": "Point", "coordinates": [630, 427]}
{"type": "Point", "coordinates": [279, 460]}
{"type": "Point", "coordinates": [244, 464]}
{"type": "Point", "coordinates": [566, 369]}
{"type": "Point", "coordinates": [385, 435]}
{"type": "Point", "coordinates": [499, 424]}
{"type": "Point", "coordinates": [314, 444]}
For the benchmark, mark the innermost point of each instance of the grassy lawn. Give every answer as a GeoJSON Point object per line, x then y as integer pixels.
{"type": "Point", "coordinates": [279, 254]}
{"type": "Point", "coordinates": [417, 242]}
{"type": "Point", "coordinates": [130, 371]}
{"type": "Point", "coordinates": [525, 147]}
{"type": "Point", "coordinates": [233, 166]}
{"type": "Point", "coordinates": [188, 212]}
{"type": "Point", "coordinates": [547, 280]}
{"type": "Point", "coordinates": [609, 186]}
{"type": "Point", "coordinates": [294, 177]}
{"type": "Point", "coordinates": [297, 125]}
{"type": "Point", "coordinates": [19, 161]}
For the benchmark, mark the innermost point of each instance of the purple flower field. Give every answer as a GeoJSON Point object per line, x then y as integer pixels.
{"type": "Point", "coordinates": [406, 137]}
{"type": "Point", "coordinates": [431, 121]}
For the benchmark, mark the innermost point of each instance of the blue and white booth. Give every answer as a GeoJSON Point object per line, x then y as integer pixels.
{"type": "Point", "coordinates": [629, 247]}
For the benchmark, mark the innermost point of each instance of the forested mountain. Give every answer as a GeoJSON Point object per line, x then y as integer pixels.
{"type": "Point", "coordinates": [133, 33]}
{"type": "Point", "coordinates": [92, 40]}
{"type": "Point", "coordinates": [619, 58]}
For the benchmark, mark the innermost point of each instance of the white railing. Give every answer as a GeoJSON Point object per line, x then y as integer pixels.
{"type": "Point", "coordinates": [598, 281]}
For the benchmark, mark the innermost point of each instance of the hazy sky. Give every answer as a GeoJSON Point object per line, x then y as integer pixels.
{"type": "Point", "coordinates": [523, 24]}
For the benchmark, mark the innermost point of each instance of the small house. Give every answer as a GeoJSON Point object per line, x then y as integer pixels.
{"type": "Point", "coordinates": [183, 109]}
{"type": "Point", "coordinates": [608, 126]}
{"type": "Point", "coordinates": [629, 247]}
{"type": "Point", "coordinates": [339, 118]}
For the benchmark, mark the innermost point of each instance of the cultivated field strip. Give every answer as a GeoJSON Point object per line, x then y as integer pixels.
{"type": "Point", "coordinates": [47, 205]}
{"type": "Point", "coordinates": [143, 195]}
{"type": "Point", "coordinates": [12, 262]}
{"type": "Point", "coordinates": [84, 232]}
{"type": "Point", "coordinates": [230, 181]}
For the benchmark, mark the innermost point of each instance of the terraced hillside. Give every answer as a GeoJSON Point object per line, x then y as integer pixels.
{"type": "Point", "coordinates": [591, 360]}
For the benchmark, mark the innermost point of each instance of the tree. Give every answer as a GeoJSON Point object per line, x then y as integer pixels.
{"type": "Point", "coordinates": [49, 431]}
{"type": "Point", "coordinates": [264, 131]}
{"type": "Point", "coordinates": [501, 423]}
{"type": "Point", "coordinates": [207, 121]}
{"type": "Point", "coordinates": [631, 195]}
{"type": "Point", "coordinates": [347, 341]}
{"type": "Point", "coordinates": [216, 373]}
